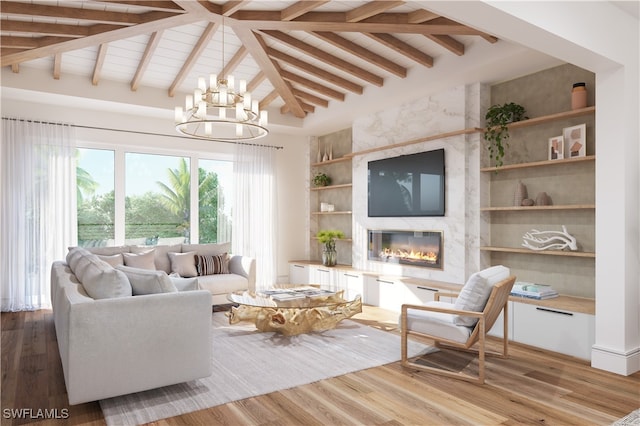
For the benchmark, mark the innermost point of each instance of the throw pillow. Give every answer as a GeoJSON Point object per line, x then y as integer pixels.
{"type": "Point", "coordinates": [162, 261]}
{"type": "Point", "coordinates": [183, 264]}
{"type": "Point", "coordinates": [209, 265]}
{"type": "Point", "coordinates": [476, 291]}
{"type": "Point", "coordinates": [145, 281]}
{"type": "Point", "coordinates": [113, 260]}
{"type": "Point", "coordinates": [184, 284]}
{"type": "Point", "coordinates": [140, 260]}
{"type": "Point", "coordinates": [97, 277]}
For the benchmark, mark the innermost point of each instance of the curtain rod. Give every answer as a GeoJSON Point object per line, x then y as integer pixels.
{"type": "Point", "coordinates": [136, 132]}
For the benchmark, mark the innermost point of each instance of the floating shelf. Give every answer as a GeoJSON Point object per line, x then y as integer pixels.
{"type": "Point", "coordinates": [321, 188]}
{"type": "Point", "coordinates": [331, 213]}
{"type": "Point", "coordinates": [346, 240]}
{"type": "Point", "coordinates": [586, 254]}
{"type": "Point", "coordinates": [335, 160]}
{"type": "Point", "coordinates": [533, 208]}
{"type": "Point", "coordinates": [552, 117]}
{"type": "Point", "coordinates": [538, 164]}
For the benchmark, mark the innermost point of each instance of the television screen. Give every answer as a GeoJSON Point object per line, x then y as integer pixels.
{"type": "Point", "coordinates": [409, 185]}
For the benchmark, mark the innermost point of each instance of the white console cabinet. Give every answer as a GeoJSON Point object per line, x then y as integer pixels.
{"type": "Point", "coordinates": [298, 273]}
{"type": "Point", "coordinates": [351, 282]}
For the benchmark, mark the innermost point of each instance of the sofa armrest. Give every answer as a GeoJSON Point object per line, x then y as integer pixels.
{"type": "Point", "coordinates": [123, 345]}
{"type": "Point", "coordinates": [245, 266]}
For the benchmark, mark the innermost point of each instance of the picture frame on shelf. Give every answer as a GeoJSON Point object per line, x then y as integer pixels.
{"type": "Point", "coordinates": [575, 138]}
{"type": "Point", "coordinates": [556, 148]}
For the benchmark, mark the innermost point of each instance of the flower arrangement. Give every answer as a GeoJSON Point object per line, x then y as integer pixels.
{"type": "Point", "coordinates": [328, 237]}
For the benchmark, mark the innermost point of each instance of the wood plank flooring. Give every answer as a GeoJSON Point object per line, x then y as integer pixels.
{"type": "Point", "coordinates": [532, 386]}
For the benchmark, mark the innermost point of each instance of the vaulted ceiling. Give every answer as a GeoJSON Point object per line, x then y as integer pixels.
{"type": "Point", "coordinates": [296, 56]}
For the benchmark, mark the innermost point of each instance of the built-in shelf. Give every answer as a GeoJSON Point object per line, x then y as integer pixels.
{"type": "Point", "coordinates": [335, 160]}
{"type": "Point", "coordinates": [586, 254]}
{"type": "Point", "coordinates": [538, 164]}
{"type": "Point", "coordinates": [552, 117]}
{"type": "Point", "coordinates": [583, 305]}
{"type": "Point", "coordinates": [346, 240]}
{"type": "Point", "coordinates": [533, 208]}
{"type": "Point", "coordinates": [331, 213]}
{"type": "Point", "coordinates": [321, 188]}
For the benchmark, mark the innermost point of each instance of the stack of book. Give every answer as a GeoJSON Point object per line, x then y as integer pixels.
{"type": "Point", "coordinates": [533, 291]}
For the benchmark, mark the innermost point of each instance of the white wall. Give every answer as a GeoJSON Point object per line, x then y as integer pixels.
{"type": "Point", "coordinates": [291, 171]}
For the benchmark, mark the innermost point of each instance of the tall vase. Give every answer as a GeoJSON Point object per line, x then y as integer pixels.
{"type": "Point", "coordinates": [329, 256]}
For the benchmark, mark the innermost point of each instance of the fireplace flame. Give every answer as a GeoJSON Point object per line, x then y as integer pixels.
{"type": "Point", "coordinates": [429, 256]}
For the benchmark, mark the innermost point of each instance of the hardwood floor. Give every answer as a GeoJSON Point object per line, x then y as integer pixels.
{"type": "Point", "coordinates": [532, 386]}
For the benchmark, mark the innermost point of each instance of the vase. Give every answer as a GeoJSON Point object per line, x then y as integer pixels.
{"type": "Point", "coordinates": [520, 194]}
{"type": "Point", "coordinates": [329, 256]}
{"type": "Point", "coordinates": [579, 96]}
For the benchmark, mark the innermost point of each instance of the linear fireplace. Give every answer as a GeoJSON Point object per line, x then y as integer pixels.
{"type": "Point", "coordinates": [414, 248]}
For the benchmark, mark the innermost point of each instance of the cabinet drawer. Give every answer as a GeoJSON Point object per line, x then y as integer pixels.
{"type": "Point", "coordinates": [570, 333]}
{"type": "Point", "coordinates": [298, 274]}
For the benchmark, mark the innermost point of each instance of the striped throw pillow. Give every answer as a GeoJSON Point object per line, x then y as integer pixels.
{"type": "Point", "coordinates": [209, 265]}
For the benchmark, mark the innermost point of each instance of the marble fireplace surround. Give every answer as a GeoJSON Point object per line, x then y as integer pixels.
{"type": "Point", "coordinates": [455, 109]}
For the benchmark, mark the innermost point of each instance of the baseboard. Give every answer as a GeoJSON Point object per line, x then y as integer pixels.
{"type": "Point", "coordinates": [624, 363]}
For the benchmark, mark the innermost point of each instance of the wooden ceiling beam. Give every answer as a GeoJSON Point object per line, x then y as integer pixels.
{"type": "Point", "coordinates": [97, 68]}
{"type": "Point", "coordinates": [403, 48]}
{"type": "Point", "coordinates": [45, 28]}
{"type": "Point", "coordinates": [313, 70]}
{"type": "Point", "coordinates": [235, 61]}
{"type": "Point", "coordinates": [421, 15]}
{"type": "Point", "coordinates": [370, 9]}
{"type": "Point", "coordinates": [264, 103]}
{"type": "Point", "coordinates": [255, 81]}
{"type": "Point", "coordinates": [152, 45]}
{"type": "Point", "coordinates": [299, 9]}
{"type": "Point", "coordinates": [311, 98]}
{"type": "Point", "coordinates": [326, 58]}
{"type": "Point", "coordinates": [197, 50]}
{"type": "Point", "coordinates": [449, 43]}
{"type": "Point", "coordinates": [31, 42]}
{"type": "Point", "coordinates": [316, 87]}
{"type": "Point", "coordinates": [362, 53]}
{"type": "Point", "coordinates": [256, 47]}
{"type": "Point", "coordinates": [231, 7]}
{"type": "Point", "coordinates": [199, 7]}
{"type": "Point", "coordinates": [308, 108]}
{"type": "Point", "coordinates": [159, 5]}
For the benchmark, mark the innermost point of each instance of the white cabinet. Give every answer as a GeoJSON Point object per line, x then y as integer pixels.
{"type": "Point", "coordinates": [385, 292]}
{"type": "Point", "coordinates": [322, 276]}
{"type": "Point", "coordinates": [419, 294]}
{"type": "Point", "coordinates": [570, 333]}
{"type": "Point", "coordinates": [498, 327]}
{"type": "Point", "coordinates": [298, 273]}
{"type": "Point", "coordinates": [351, 283]}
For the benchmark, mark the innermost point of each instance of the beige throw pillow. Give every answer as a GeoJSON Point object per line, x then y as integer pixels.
{"type": "Point", "coordinates": [145, 281]}
{"type": "Point", "coordinates": [184, 264]}
{"type": "Point", "coordinates": [113, 260]}
{"type": "Point", "coordinates": [144, 260]}
{"type": "Point", "coordinates": [98, 278]}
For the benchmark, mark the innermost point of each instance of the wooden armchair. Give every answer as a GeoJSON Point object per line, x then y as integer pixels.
{"type": "Point", "coordinates": [452, 325]}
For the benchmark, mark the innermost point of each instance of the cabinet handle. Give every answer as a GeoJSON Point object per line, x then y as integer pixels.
{"type": "Point", "coordinates": [352, 276]}
{"type": "Point", "coordinates": [323, 270]}
{"type": "Point", "coordinates": [385, 282]}
{"type": "Point", "coordinates": [427, 288]}
{"type": "Point", "coordinates": [298, 266]}
{"type": "Point", "coordinates": [554, 311]}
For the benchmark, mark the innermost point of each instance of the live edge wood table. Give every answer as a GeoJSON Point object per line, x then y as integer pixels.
{"type": "Point", "coordinates": [292, 310]}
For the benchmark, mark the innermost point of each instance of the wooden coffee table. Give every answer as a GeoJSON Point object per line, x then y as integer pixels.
{"type": "Point", "coordinates": [292, 310]}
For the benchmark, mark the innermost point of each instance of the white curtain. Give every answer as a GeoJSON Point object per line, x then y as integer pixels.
{"type": "Point", "coordinates": [254, 214]}
{"type": "Point", "coordinates": [38, 213]}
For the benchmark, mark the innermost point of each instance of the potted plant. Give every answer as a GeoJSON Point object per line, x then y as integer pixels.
{"type": "Point", "coordinates": [328, 238]}
{"type": "Point", "coordinates": [321, 179]}
{"type": "Point", "coordinates": [497, 131]}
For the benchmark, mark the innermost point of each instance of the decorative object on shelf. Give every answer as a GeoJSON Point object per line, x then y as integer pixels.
{"type": "Point", "coordinates": [556, 148]}
{"type": "Point", "coordinates": [527, 202]}
{"type": "Point", "coordinates": [576, 139]}
{"type": "Point", "coordinates": [326, 207]}
{"type": "Point", "coordinates": [321, 179]}
{"type": "Point", "coordinates": [331, 151]}
{"type": "Point", "coordinates": [579, 96]}
{"type": "Point", "coordinates": [543, 199]}
{"type": "Point", "coordinates": [520, 194]}
{"type": "Point", "coordinates": [497, 132]}
{"type": "Point", "coordinates": [219, 112]}
{"type": "Point", "coordinates": [319, 153]}
{"type": "Point", "coordinates": [549, 240]}
{"type": "Point", "coordinates": [328, 237]}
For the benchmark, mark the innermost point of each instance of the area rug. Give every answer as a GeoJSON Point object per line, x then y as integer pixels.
{"type": "Point", "coordinates": [632, 419]}
{"type": "Point", "coordinates": [248, 363]}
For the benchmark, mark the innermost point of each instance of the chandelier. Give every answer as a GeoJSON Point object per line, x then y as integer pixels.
{"type": "Point", "coordinates": [221, 113]}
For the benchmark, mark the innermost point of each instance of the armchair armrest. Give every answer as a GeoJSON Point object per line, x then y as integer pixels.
{"type": "Point", "coordinates": [440, 294]}
{"type": "Point", "coordinates": [473, 314]}
{"type": "Point", "coordinates": [245, 266]}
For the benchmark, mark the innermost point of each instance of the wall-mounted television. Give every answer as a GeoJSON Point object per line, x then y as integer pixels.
{"type": "Point", "coordinates": [408, 185]}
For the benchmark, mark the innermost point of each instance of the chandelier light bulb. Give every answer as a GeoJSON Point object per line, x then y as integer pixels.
{"type": "Point", "coordinates": [247, 100]}
{"type": "Point", "coordinates": [178, 115]}
{"type": "Point", "coordinates": [264, 118]}
{"type": "Point", "coordinates": [239, 130]}
{"type": "Point", "coordinates": [223, 95]}
{"type": "Point", "coordinates": [202, 110]}
{"type": "Point", "coordinates": [213, 81]}
{"type": "Point", "coordinates": [230, 82]}
{"type": "Point", "coordinates": [255, 107]}
{"type": "Point", "coordinates": [197, 96]}
{"type": "Point", "coordinates": [207, 129]}
{"type": "Point", "coordinates": [243, 87]}
{"type": "Point", "coordinates": [239, 112]}
{"type": "Point", "coordinates": [223, 113]}
{"type": "Point", "coordinates": [188, 102]}
{"type": "Point", "coordinates": [202, 85]}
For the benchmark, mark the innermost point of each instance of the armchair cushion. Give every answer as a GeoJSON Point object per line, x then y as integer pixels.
{"type": "Point", "coordinates": [476, 291]}
{"type": "Point", "coordinates": [437, 323]}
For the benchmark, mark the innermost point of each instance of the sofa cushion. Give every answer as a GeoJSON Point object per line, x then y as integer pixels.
{"type": "Point", "coordinates": [161, 257]}
{"type": "Point", "coordinates": [184, 284]}
{"type": "Point", "coordinates": [209, 265]}
{"type": "Point", "coordinates": [146, 281]}
{"type": "Point", "coordinates": [107, 251]}
{"type": "Point", "coordinates": [144, 260]}
{"type": "Point", "coordinates": [223, 283]}
{"type": "Point", "coordinates": [98, 278]}
{"type": "Point", "coordinates": [476, 291]}
{"type": "Point", "coordinates": [207, 249]}
{"type": "Point", "coordinates": [183, 264]}
{"type": "Point", "coordinates": [113, 259]}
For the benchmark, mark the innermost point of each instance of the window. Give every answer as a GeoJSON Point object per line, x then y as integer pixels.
{"type": "Point", "coordinates": [96, 202]}
{"type": "Point", "coordinates": [152, 205]}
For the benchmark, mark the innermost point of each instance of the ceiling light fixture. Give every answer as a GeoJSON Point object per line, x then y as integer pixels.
{"type": "Point", "coordinates": [219, 112]}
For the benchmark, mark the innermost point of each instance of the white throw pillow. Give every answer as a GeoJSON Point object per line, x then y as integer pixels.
{"type": "Point", "coordinates": [184, 264]}
{"type": "Point", "coordinates": [145, 281]}
{"type": "Point", "coordinates": [98, 278]}
{"type": "Point", "coordinates": [144, 260]}
{"type": "Point", "coordinates": [113, 260]}
{"type": "Point", "coordinates": [184, 284]}
{"type": "Point", "coordinates": [476, 291]}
